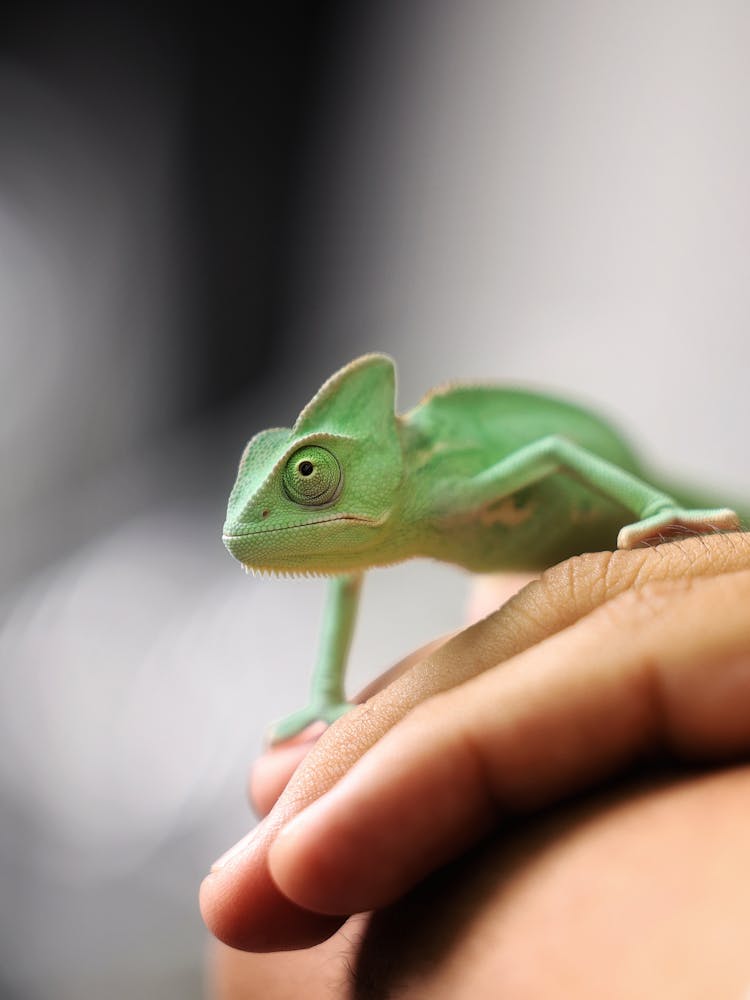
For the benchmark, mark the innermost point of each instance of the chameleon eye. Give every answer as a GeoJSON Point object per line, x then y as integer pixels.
{"type": "Point", "coordinates": [312, 476]}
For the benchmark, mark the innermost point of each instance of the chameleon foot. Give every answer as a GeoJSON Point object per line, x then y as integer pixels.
{"type": "Point", "coordinates": [675, 522]}
{"type": "Point", "coordinates": [293, 724]}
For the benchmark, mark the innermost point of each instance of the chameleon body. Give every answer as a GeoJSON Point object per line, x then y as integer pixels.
{"type": "Point", "coordinates": [485, 477]}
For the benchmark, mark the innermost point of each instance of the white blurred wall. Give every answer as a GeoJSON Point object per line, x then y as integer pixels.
{"type": "Point", "coordinates": [557, 193]}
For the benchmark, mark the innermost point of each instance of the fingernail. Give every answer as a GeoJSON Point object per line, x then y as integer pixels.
{"type": "Point", "coordinates": [235, 851]}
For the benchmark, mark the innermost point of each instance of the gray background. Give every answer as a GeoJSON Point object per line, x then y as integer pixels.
{"type": "Point", "coordinates": [553, 193]}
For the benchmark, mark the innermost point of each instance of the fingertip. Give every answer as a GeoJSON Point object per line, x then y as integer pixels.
{"type": "Point", "coordinates": [243, 908]}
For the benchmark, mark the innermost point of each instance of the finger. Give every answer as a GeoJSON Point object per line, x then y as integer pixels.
{"type": "Point", "coordinates": [550, 722]}
{"type": "Point", "coordinates": [240, 902]}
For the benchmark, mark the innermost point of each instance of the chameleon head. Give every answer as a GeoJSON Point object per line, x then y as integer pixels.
{"type": "Point", "coordinates": [318, 497]}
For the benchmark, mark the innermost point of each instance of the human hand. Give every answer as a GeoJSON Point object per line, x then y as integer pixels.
{"type": "Point", "coordinates": [607, 658]}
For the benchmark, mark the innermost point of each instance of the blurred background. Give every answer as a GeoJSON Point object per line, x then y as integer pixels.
{"type": "Point", "coordinates": [199, 221]}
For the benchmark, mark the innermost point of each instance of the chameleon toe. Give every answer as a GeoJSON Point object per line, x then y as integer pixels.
{"type": "Point", "coordinates": [292, 725]}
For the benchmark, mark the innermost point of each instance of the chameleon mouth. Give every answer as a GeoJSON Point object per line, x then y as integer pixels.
{"type": "Point", "coordinates": [256, 551]}
{"type": "Point", "coordinates": [372, 521]}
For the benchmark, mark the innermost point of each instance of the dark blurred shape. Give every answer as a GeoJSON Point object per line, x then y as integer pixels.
{"type": "Point", "coordinates": [153, 169]}
{"type": "Point", "coordinates": [256, 96]}
{"type": "Point", "coordinates": [247, 98]}
{"type": "Point", "coordinates": [154, 163]}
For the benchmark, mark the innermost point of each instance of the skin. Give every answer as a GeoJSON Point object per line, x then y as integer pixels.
{"type": "Point", "coordinates": [637, 893]}
{"type": "Point", "coordinates": [487, 478]}
{"type": "Point", "coordinates": [604, 665]}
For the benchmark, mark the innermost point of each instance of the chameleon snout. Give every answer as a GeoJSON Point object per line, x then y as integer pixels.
{"type": "Point", "coordinates": [237, 544]}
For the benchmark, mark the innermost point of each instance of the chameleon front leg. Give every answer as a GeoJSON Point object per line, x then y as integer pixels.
{"type": "Point", "coordinates": [657, 512]}
{"type": "Point", "coordinates": [327, 699]}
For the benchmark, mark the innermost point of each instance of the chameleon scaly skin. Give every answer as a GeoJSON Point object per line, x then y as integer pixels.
{"type": "Point", "coordinates": [485, 477]}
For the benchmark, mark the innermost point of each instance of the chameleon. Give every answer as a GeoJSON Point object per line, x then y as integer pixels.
{"type": "Point", "coordinates": [485, 477]}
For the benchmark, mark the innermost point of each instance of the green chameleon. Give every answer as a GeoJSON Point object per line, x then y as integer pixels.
{"type": "Point", "coordinates": [488, 478]}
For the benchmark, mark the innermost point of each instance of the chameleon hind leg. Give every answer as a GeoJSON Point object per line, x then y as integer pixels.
{"type": "Point", "coordinates": [327, 699]}
{"type": "Point", "coordinates": [658, 514]}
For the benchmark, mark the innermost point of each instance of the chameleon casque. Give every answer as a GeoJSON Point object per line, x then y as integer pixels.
{"type": "Point", "coordinates": [486, 477]}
